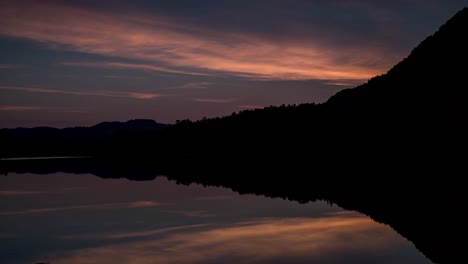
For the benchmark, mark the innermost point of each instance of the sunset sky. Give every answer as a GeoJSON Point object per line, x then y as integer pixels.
{"type": "Point", "coordinates": [69, 63]}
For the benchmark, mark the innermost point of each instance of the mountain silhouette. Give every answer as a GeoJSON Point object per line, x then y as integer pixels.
{"type": "Point", "coordinates": [420, 99]}
{"type": "Point", "coordinates": [47, 141]}
{"type": "Point", "coordinates": [393, 148]}
{"type": "Point", "coordinates": [427, 84]}
{"type": "Point", "coordinates": [415, 110]}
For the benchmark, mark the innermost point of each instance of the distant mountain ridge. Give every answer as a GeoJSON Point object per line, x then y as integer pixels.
{"type": "Point", "coordinates": [47, 141]}
{"type": "Point", "coordinates": [99, 131]}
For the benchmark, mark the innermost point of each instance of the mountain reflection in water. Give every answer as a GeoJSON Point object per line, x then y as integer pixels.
{"type": "Point", "coordinates": [68, 218]}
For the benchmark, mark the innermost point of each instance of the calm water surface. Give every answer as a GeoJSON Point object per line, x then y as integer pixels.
{"type": "Point", "coordinates": [68, 218]}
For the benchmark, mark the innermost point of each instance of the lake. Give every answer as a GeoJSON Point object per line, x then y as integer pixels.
{"type": "Point", "coordinates": [81, 218]}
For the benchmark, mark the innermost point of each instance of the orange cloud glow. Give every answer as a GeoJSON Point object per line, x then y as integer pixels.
{"type": "Point", "coordinates": [259, 241]}
{"type": "Point", "coordinates": [137, 234]}
{"type": "Point", "coordinates": [164, 44]}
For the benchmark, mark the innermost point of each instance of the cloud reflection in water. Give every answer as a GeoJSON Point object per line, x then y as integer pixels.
{"type": "Point", "coordinates": [336, 238]}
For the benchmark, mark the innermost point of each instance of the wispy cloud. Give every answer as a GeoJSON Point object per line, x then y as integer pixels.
{"type": "Point", "coordinates": [135, 95]}
{"type": "Point", "coordinates": [317, 240]}
{"type": "Point", "coordinates": [214, 100]}
{"type": "Point", "coordinates": [143, 95]}
{"type": "Point", "coordinates": [139, 204]}
{"type": "Point", "coordinates": [193, 213]}
{"type": "Point", "coordinates": [134, 66]}
{"type": "Point", "coordinates": [21, 108]}
{"type": "Point", "coordinates": [188, 86]}
{"type": "Point", "coordinates": [196, 85]}
{"type": "Point", "coordinates": [136, 204]}
{"type": "Point", "coordinates": [166, 44]}
{"type": "Point", "coordinates": [135, 234]}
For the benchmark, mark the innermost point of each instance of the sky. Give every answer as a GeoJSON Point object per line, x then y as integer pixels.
{"type": "Point", "coordinates": [78, 63]}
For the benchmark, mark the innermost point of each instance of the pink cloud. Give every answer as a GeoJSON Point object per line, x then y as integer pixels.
{"type": "Point", "coordinates": [135, 95]}
{"type": "Point", "coordinates": [143, 95]}
{"type": "Point", "coordinates": [317, 240]}
{"type": "Point", "coordinates": [121, 65]}
{"type": "Point", "coordinates": [167, 45]}
{"type": "Point", "coordinates": [196, 85]}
